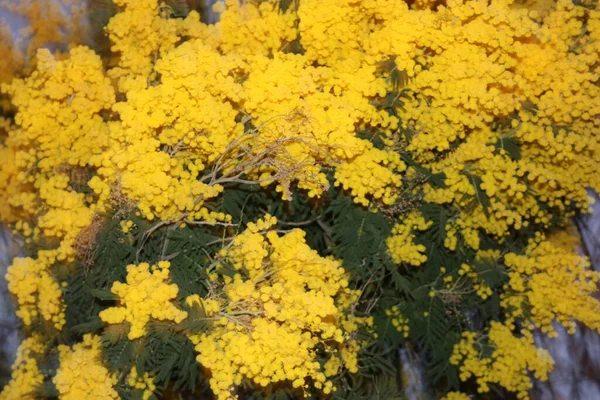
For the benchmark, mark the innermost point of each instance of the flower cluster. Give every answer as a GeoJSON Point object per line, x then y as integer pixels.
{"type": "Point", "coordinates": [366, 176]}
{"type": "Point", "coordinates": [138, 32]}
{"type": "Point", "coordinates": [145, 295]}
{"type": "Point", "coordinates": [144, 383]}
{"type": "Point", "coordinates": [80, 373]}
{"type": "Point", "coordinates": [511, 356]}
{"type": "Point", "coordinates": [283, 301]}
{"type": "Point", "coordinates": [39, 190]}
{"type": "Point", "coordinates": [401, 245]}
{"type": "Point", "coordinates": [554, 283]}
{"type": "Point", "coordinates": [531, 66]}
{"type": "Point", "coordinates": [38, 295]}
{"type": "Point", "coordinates": [249, 28]}
{"type": "Point", "coordinates": [26, 376]}
{"type": "Point", "coordinates": [127, 226]}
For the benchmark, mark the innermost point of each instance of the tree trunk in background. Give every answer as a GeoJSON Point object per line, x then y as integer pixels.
{"type": "Point", "coordinates": [9, 324]}
{"type": "Point", "coordinates": [576, 372]}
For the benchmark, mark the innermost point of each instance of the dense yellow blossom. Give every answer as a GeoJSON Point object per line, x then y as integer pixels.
{"type": "Point", "coordinates": [26, 376]}
{"type": "Point", "coordinates": [37, 293]}
{"type": "Point", "coordinates": [80, 373]}
{"type": "Point", "coordinates": [401, 245]}
{"type": "Point", "coordinates": [511, 357]}
{"type": "Point", "coordinates": [365, 177]}
{"type": "Point", "coordinates": [61, 96]}
{"type": "Point", "coordinates": [145, 295]}
{"type": "Point", "coordinates": [38, 191]}
{"type": "Point", "coordinates": [493, 62]}
{"type": "Point", "coordinates": [139, 35]}
{"type": "Point", "coordinates": [307, 115]}
{"type": "Point", "coordinates": [41, 23]}
{"type": "Point", "coordinates": [250, 28]}
{"type": "Point", "coordinates": [554, 283]}
{"type": "Point", "coordinates": [283, 302]}
{"type": "Point", "coordinates": [312, 114]}
{"type": "Point", "coordinates": [332, 366]}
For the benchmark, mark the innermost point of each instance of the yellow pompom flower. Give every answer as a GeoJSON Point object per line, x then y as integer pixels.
{"type": "Point", "coordinates": [80, 373]}
{"type": "Point", "coordinates": [283, 302]}
{"type": "Point", "coordinates": [26, 376]}
{"type": "Point", "coordinates": [512, 356]}
{"type": "Point", "coordinates": [145, 295]}
{"type": "Point", "coordinates": [38, 294]}
{"type": "Point", "coordinates": [401, 245]}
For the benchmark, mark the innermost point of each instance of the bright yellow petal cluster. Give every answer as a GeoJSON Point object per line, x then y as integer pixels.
{"type": "Point", "coordinates": [250, 28]}
{"type": "Point", "coordinates": [38, 294]}
{"type": "Point", "coordinates": [554, 283]}
{"type": "Point", "coordinates": [127, 226]}
{"type": "Point", "coordinates": [307, 118]}
{"type": "Point", "coordinates": [283, 302]}
{"type": "Point", "coordinates": [250, 247]}
{"type": "Point", "coordinates": [401, 246]}
{"type": "Point", "coordinates": [145, 295]}
{"type": "Point", "coordinates": [139, 35]}
{"type": "Point", "coordinates": [26, 376]}
{"type": "Point", "coordinates": [345, 31]}
{"type": "Point", "coordinates": [482, 75]}
{"type": "Point", "coordinates": [367, 176]}
{"type": "Point", "coordinates": [80, 373]}
{"type": "Point", "coordinates": [512, 357]}
{"type": "Point", "coordinates": [43, 169]}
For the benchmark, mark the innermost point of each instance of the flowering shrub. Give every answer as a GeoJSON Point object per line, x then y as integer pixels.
{"type": "Point", "coordinates": [285, 294]}
{"type": "Point", "coordinates": [81, 374]}
{"type": "Point", "coordinates": [274, 204]}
